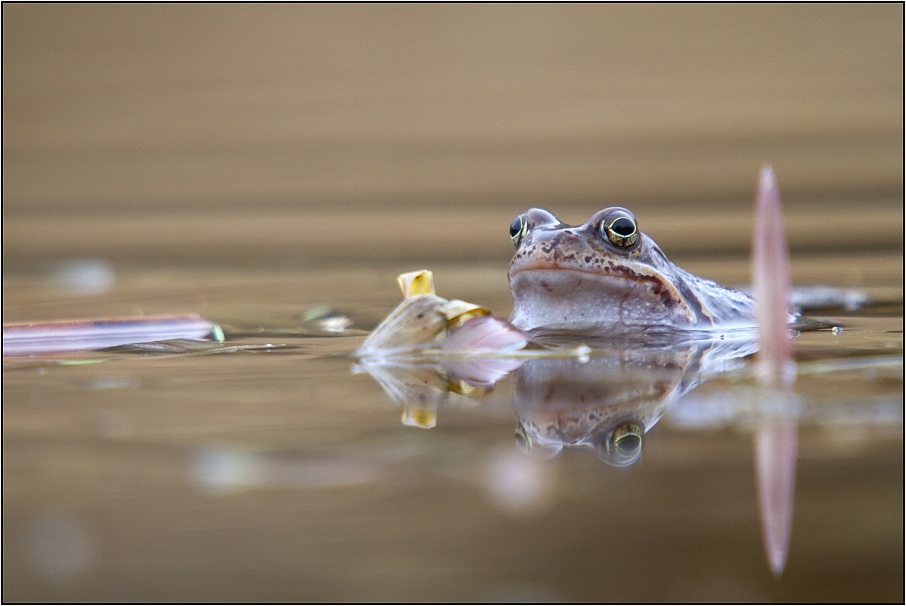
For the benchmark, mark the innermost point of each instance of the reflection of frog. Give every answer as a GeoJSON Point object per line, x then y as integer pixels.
{"type": "Point", "coordinates": [607, 274]}
{"type": "Point", "coordinates": [609, 401]}
{"type": "Point", "coordinates": [604, 394]}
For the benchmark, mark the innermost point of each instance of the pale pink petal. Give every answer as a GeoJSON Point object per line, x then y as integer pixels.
{"type": "Point", "coordinates": [485, 332]}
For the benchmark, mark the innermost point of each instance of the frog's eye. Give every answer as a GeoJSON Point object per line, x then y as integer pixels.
{"type": "Point", "coordinates": [620, 229]}
{"type": "Point", "coordinates": [518, 229]}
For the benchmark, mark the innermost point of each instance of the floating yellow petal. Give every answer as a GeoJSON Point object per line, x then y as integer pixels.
{"type": "Point", "coordinates": [416, 283]}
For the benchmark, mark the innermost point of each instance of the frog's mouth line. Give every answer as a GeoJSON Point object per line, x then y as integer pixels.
{"type": "Point", "coordinates": [550, 275]}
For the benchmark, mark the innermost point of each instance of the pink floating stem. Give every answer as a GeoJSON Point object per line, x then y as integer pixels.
{"type": "Point", "coordinates": [41, 338]}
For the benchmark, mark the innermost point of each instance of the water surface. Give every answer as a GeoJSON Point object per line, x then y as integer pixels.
{"type": "Point", "coordinates": [277, 473]}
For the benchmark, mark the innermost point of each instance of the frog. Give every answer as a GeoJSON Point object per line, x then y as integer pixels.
{"type": "Point", "coordinates": [606, 275]}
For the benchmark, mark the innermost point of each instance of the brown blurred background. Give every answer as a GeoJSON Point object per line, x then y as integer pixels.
{"type": "Point", "coordinates": [252, 163]}
{"type": "Point", "coordinates": [239, 133]}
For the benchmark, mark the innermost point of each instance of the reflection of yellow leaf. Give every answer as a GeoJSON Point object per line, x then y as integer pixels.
{"type": "Point", "coordinates": [414, 416]}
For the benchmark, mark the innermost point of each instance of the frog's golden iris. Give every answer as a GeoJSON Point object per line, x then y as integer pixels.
{"type": "Point", "coordinates": [518, 229]}
{"type": "Point", "coordinates": [620, 229]}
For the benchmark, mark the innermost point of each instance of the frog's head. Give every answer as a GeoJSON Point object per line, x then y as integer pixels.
{"type": "Point", "coordinates": [603, 273]}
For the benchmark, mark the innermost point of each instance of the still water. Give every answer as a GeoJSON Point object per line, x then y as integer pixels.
{"type": "Point", "coordinates": [274, 468]}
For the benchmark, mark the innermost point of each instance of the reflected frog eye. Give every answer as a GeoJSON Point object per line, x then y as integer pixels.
{"type": "Point", "coordinates": [620, 446]}
{"type": "Point", "coordinates": [518, 229]}
{"type": "Point", "coordinates": [626, 442]}
{"type": "Point", "coordinates": [523, 443]}
{"type": "Point", "coordinates": [539, 450]}
{"type": "Point", "coordinates": [620, 229]}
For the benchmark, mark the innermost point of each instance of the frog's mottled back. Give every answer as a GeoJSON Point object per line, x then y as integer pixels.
{"type": "Point", "coordinates": [607, 275]}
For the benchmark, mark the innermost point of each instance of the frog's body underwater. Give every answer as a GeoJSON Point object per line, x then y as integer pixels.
{"type": "Point", "coordinates": [606, 275]}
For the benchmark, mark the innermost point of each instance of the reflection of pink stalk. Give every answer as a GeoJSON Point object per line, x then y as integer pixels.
{"type": "Point", "coordinates": [41, 338]}
{"type": "Point", "coordinates": [775, 463]}
{"type": "Point", "coordinates": [775, 438]}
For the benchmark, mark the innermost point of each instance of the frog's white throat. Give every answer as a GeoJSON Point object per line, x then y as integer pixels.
{"type": "Point", "coordinates": [573, 298]}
